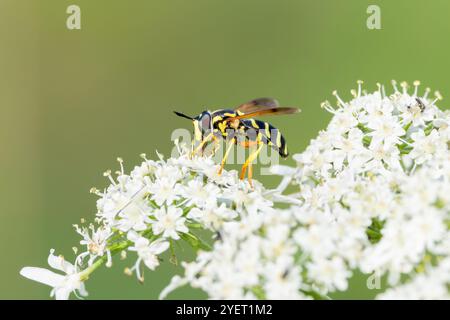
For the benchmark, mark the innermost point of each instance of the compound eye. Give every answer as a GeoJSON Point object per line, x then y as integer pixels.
{"type": "Point", "coordinates": [206, 122]}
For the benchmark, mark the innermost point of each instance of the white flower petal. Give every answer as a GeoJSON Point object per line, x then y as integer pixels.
{"type": "Point", "coordinates": [159, 247]}
{"type": "Point", "coordinates": [59, 263]}
{"type": "Point", "coordinates": [282, 170]}
{"type": "Point", "coordinates": [42, 275]}
{"type": "Point", "coordinates": [62, 293]}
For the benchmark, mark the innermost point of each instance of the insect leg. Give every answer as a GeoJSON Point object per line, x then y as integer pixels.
{"type": "Point", "coordinates": [250, 174]}
{"type": "Point", "coordinates": [202, 143]}
{"type": "Point", "coordinates": [216, 145]}
{"type": "Point", "coordinates": [249, 160]}
{"type": "Point", "coordinates": [248, 144]}
{"type": "Point", "coordinates": [227, 152]}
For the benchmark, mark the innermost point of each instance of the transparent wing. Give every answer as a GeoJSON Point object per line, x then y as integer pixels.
{"type": "Point", "coordinates": [263, 112]}
{"type": "Point", "coordinates": [258, 104]}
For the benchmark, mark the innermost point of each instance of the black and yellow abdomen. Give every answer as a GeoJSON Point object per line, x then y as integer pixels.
{"type": "Point", "coordinates": [253, 129]}
{"type": "Point", "coordinates": [268, 135]}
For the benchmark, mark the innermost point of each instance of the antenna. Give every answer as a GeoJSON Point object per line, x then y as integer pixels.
{"type": "Point", "coordinates": [183, 115]}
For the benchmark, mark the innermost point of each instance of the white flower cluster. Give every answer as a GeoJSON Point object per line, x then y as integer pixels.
{"type": "Point", "coordinates": [144, 212]}
{"type": "Point", "coordinates": [375, 196]}
{"type": "Point", "coordinates": [254, 258]}
{"type": "Point", "coordinates": [370, 193]}
{"type": "Point", "coordinates": [430, 284]}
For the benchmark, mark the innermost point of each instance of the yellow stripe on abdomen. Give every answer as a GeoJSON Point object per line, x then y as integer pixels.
{"type": "Point", "coordinates": [278, 139]}
{"type": "Point", "coordinates": [254, 124]}
{"type": "Point", "coordinates": [267, 129]}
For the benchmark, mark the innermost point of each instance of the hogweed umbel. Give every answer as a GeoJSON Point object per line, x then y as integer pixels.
{"type": "Point", "coordinates": [375, 197]}
{"type": "Point", "coordinates": [146, 211]}
{"type": "Point", "coordinates": [370, 193]}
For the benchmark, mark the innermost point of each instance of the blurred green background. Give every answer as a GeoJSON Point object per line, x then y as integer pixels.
{"type": "Point", "coordinates": [72, 101]}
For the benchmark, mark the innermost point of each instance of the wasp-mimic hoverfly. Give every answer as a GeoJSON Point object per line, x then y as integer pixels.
{"type": "Point", "coordinates": [231, 123]}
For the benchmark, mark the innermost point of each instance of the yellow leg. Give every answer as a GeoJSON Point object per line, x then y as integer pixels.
{"type": "Point", "coordinates": [224, 160]}
{"type": "Point", "coordinates": [249, 160]}
{"type": "Point", "coordinates": [192, 146]}
{"type": "Point", "coordinates": [216, 145]}
{"type": "Point", "coordinates": [202, 143]}
{"type": "Point", "coordinates": [248, 144]}
{"type": "Point", "coordinates": [250, 174]}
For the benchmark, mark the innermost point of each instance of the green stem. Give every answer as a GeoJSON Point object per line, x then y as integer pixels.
{"type": "Point", "coordinates": [315, 295]}
{"type": "Point", "coordinates": [114, 249]}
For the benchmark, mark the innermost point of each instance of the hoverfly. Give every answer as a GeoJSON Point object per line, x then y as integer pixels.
{"type": "Point", "coordinates": [229, 124]}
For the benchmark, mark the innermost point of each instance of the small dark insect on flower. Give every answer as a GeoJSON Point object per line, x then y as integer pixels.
{"type": "Point", "coordinates": [285, 273]}
{"type": "Point", "coordinates": [421, 104]}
